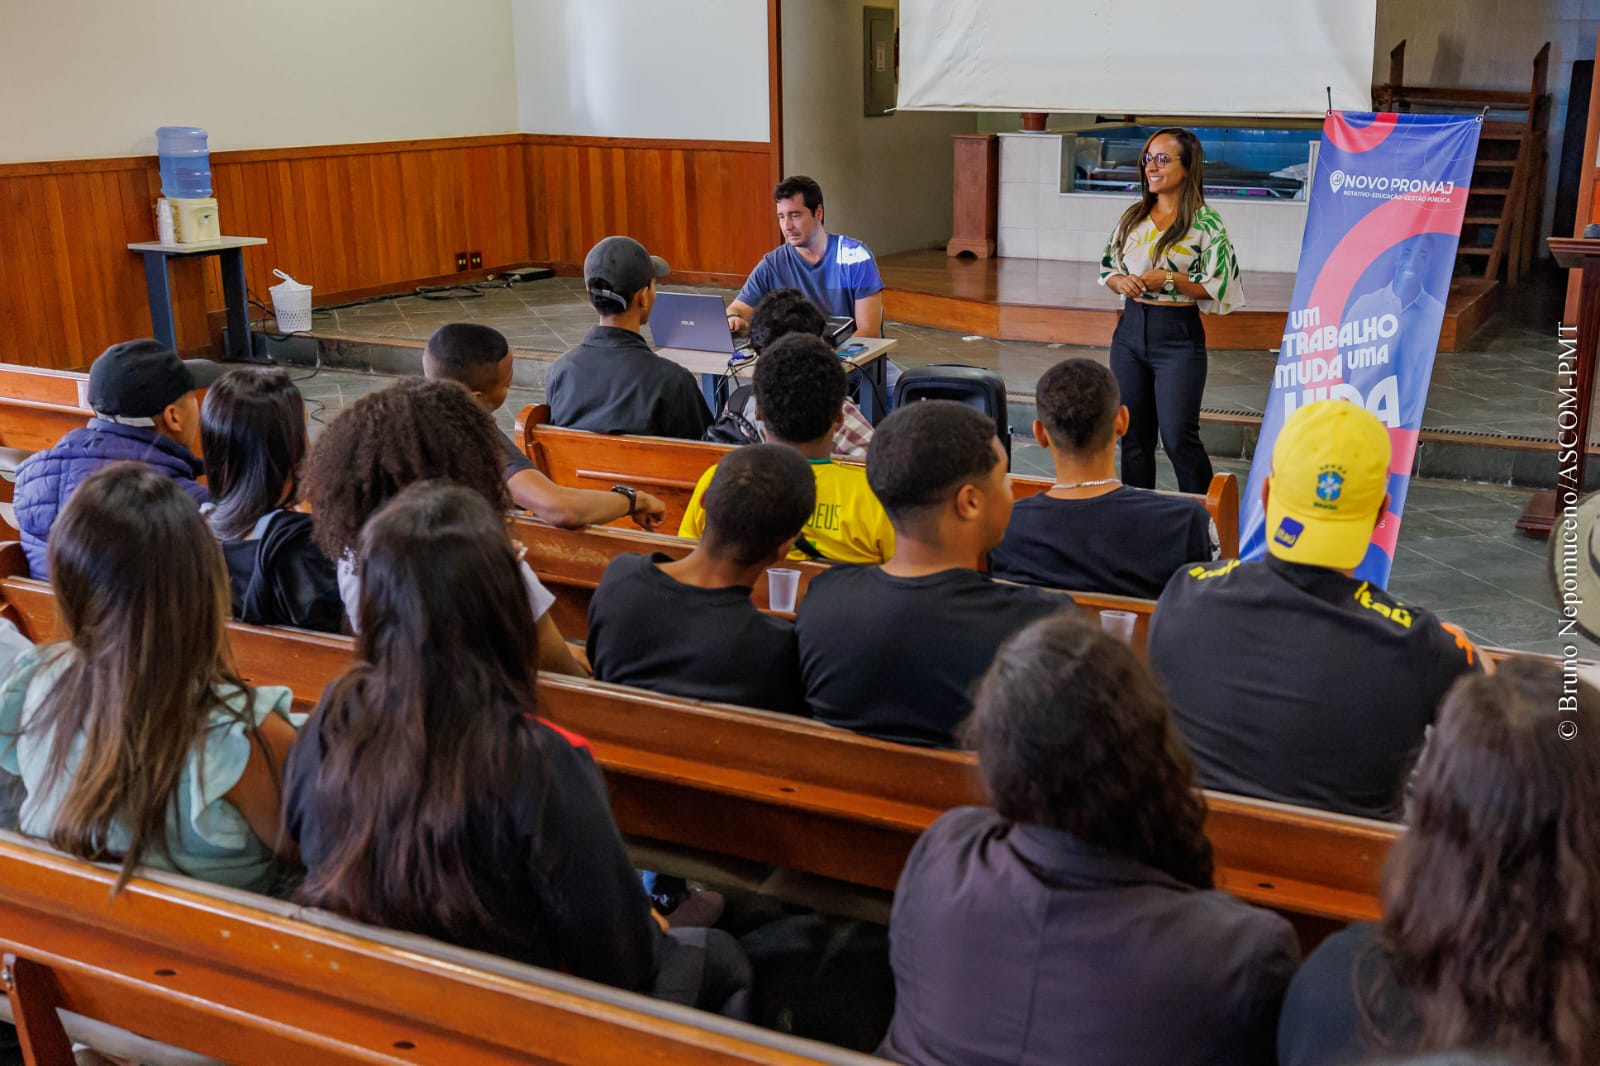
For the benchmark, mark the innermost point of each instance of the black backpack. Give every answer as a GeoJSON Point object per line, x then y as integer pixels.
{"type": "Point", "coordinates": [733, 427]}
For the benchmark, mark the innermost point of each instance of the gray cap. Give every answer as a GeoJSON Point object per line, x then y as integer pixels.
{"type": "Point", "coordinates": [624, 265]}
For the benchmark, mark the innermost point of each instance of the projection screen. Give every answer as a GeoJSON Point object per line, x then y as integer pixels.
{"type": "Point", "coordinates": [1157, 57]}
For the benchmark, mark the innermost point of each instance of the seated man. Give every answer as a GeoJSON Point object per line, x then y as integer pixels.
{"type": "Point", "coordinates": [688, 627]}
{"type": "Point", "coordinates": [613, 382]}
{"type": "Point", "coordinates": [799, 393]}
{"type": "Point", "coordinates": [1091, 533]}
{"type": "Point", "coordinates": [836, 273]}
{"type": "Point", "coordinates": [478, 357]}
{"type": "Point", "coordinates": [893, 651]}
{"type": "Point", "coordinates": [780, 313]}
{"type": "Point", "coordinates": [147, 409]}
{"type": "Point", "coordinates": [1290, 679]}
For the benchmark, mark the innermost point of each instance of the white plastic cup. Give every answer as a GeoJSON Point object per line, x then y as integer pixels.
{"type": "Point", "coordinates": [783, 589]}
{"type": "Point", "coordinates": [1119, 624]}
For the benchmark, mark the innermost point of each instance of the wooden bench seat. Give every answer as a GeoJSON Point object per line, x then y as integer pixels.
{"type": "Point", "coordinates": [669, 468]}
{"type": "Point", "coordinates": [571, 561]}
{"type": "Point", "coordinates": [803, 796]}
{"type": "Point", "coordinates": [248, 979]}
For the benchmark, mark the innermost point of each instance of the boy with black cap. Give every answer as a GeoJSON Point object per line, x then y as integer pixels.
{"type": "Point", "coordinates": [1291, 679]}
{"type": "Point", "coordinates": [613, 382]}
{"type": "Point", "coordinates": [147, 410]}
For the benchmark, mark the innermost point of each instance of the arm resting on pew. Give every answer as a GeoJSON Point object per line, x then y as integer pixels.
{"type": "Point", "coordinates": [555, 654]}
{"type": "Point", "coordinates": [571, 508]}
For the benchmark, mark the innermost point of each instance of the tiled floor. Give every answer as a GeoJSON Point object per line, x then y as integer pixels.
{"type": "Point", "coordinates": [1503, 385]}
{"type": "Point", "coordinates": [1458, 551]}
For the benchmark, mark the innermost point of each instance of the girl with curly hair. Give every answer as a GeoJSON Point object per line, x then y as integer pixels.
{"type": "Point", "coordinates": [1490, 938]}
{"type": "Point", "coordinates": [1077, 919]}
{"type": "Point", "coordinates": [415, 430]}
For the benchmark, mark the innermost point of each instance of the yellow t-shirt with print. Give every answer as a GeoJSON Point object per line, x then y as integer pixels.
{"type": "Point", "coordinates": [848, 526]}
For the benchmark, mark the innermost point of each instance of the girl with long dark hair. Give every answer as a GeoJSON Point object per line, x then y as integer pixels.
{"type": "Point", "coordinates": [1170, 258]}
{"type": "Point", "coordinates": [253, 436]}
{"type": "Point", "coordinates": [424, 795]}
{"type": "Point", "coordinates": [1490, 938]}
{"type": "Point", "coordinates": [135, 738]}
{"type": "Point", "coordinates": [1076, 920]}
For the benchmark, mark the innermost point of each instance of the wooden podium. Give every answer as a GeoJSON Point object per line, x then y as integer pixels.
{"type": "Point", "coordinates": [1573, 253]}
{"type": "Point", "coordinates": [975, 212]}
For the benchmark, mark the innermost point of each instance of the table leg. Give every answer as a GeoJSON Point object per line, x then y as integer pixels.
{"type": "Point", "coordinates": [875, 398]}
{"type": "Point", "coordinates": [236, 299]}
{"type": "Point", "coordinates": [160, 293]}
{"type": "Point", "coordinates": [708, 389]}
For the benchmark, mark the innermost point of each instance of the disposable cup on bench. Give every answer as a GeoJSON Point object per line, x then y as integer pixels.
{"type": "Point", "coordinates": [783, 589]}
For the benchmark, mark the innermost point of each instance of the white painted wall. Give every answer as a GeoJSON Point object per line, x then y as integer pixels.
{"type": "Point", "coordinates": [93, 78]}
{"type": "Point", "coordinates": [688, 69]}
{"type": "Point", "coordinates": [1039, 221]}
{"type": "Point", "coordinates": [886, 179]}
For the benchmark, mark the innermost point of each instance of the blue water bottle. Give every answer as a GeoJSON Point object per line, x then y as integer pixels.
{"type": "Point", "coordinates": [185, 162]}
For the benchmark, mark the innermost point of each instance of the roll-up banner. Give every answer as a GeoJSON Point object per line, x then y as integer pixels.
{"type": "Point", "coordinates": [1387, 202]}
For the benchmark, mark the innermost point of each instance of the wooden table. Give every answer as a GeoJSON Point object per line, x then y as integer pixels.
{"type": "Point", "coordinates": [235, 297]}
{"type": "Point", "coordinates": [713, 367]}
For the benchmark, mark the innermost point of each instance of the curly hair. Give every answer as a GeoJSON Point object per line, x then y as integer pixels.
{"type": "Point", "coordinates": [1073, 733]}
{"type": "Point", "coordinates": [412, 431]}
{"type": "Point", "coordinates": [759, 499]}
{"type": "Point", "coordinates": [800, 388]}
{"type": "Point", "coordinates": [923, 453]}
{"type": "Point", "coordinates": [1491, 899]}
{"type": "Point", "coordinates": [1077, 401]}
{"type": "Point", "coordinates": [782, 312]}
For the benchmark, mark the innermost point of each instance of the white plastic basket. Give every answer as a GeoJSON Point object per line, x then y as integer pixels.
{"type": "Point", "coordinates": [291, 304]}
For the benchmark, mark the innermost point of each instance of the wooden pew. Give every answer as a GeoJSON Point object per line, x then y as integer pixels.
{"type": "Point", "coordinates": [669, 468]}
{"type": "Point", "coordinates": [34, 425]}
{"type": "Point", "coordinates": [248, 979]}
{"type": "Point", "coordinates": [63, 388]}
{"type": "Point", "coordinates": [803, 796]}
{"type": "Point", "coordinates": [571, 561]}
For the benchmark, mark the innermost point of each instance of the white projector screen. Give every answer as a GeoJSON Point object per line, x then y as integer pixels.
{"type": "Point", "coordinates": [1158, 57]}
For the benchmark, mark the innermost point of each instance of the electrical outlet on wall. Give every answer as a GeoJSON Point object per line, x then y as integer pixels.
{"type": "Point", "coordinates": [461, 260]}
{"type": "Point", "coordinates": [476, 260]}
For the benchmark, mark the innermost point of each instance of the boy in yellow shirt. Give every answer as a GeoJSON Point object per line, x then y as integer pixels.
{"type": "Point", "coordinates": [800, 391]}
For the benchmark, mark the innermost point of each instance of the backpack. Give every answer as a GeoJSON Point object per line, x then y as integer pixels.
{"type": "Point", "coordinates": [732, 427]}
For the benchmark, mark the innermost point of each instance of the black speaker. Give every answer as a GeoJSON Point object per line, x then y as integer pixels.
{"type": "Point", "coordinates": [971, 385]}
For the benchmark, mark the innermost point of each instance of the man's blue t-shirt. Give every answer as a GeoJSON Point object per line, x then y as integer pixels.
{"type": "Point", "coordinates": [845, 273]}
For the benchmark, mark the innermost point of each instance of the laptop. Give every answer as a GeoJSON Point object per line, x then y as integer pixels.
{"type": "Point", "coordinates": [692, 320]}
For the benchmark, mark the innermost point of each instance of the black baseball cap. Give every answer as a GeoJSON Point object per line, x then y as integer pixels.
{"type": "Point", "coordinates": [623, 263]}
{"type": "Point", "coordinates": [139, 379]}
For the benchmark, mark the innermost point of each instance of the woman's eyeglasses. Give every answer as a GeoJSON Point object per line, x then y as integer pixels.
{"type": "Point", "coordinates": [1160, 159]}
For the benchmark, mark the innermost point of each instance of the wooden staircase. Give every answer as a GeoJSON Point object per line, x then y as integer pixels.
{"type": "Point", "coordinates": [1501, 230]}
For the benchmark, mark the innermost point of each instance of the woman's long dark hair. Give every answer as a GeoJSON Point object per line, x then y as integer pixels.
{"type": "Point", "coordinates": [1073, 733]}
{"type": "Point", "coordinates": [1491, 899]}
{"type": "Point", "coordinates": [430, 724]}
{"type": "Point", "coordinates": [143, 593]}
{"type": "Point", "coordinates": [253, 440]}
{"type": "Point", "coordinates": [1192, 197]}
{"type": "Point", "coordinates": [412, 431]}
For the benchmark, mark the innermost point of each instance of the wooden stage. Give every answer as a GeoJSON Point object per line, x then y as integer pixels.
{"type": "Point", "coordinates": [1059, 302]}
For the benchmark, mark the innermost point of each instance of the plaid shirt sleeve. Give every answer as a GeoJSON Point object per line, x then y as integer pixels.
{"type": "Point", "coordinates": [850, 442]}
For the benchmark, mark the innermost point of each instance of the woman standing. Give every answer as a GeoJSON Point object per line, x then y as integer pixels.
{"type": "Point", "coordinates": [1170, 258]}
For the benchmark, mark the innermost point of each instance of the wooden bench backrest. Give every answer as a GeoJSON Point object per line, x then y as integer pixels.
{"type": "Point", "coordinates": [250, 980]}
{"type": "Point", "coordinates": [806, 797]}
{"type": "Point", "coordinates": [570, 562]}
{"type": "Point", "coordinates": [34, 425]}
{"type": "Point", "coordinates": [63, 388]}
{"type": "Point", "coordinates": [669, 468]}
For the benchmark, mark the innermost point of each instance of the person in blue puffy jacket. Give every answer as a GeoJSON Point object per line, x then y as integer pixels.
{"type": "Point", "coordinates": [147, 410]}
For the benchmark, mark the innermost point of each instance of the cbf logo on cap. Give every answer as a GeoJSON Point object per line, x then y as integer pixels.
{"type": "Point", "coordinates": [1330, 472]}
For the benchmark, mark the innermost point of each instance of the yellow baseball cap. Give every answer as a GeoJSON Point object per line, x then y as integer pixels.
{"type": "Point", "coordinates": [1330, 470]}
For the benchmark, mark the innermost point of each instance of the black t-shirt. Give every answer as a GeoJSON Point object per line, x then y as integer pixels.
{"type": "Point", "coordinates": [614, 383]}
{"type": "Point", "coordinates": [1127, 542]}
{"type": "Point", "coordinates": [1346, 1005]}
{"type": "Point", "coordinates": [647, 630]}
{"type": "Point", "coordinates": [546, 858]}
{"type": "Point", "coordinates": [516, 462]}
{"type": "Point", "coordinates": [279, 577]}
{"type": "Point", "coordinates": [1298, 684]}
{"type": "Point", "coordinates": [898, 657]}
